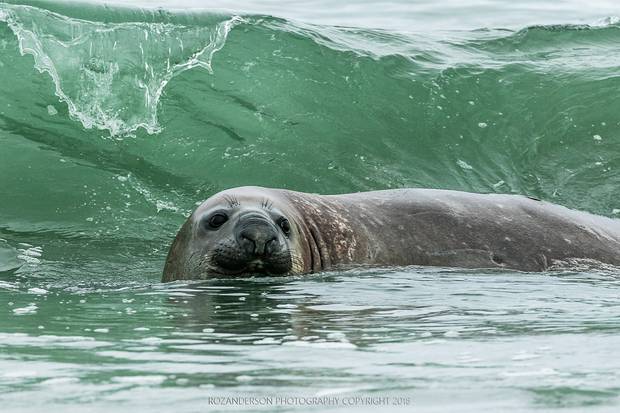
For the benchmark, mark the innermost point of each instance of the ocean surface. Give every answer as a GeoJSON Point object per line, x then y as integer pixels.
{"type": "Point", "coordinates": [115, 120]}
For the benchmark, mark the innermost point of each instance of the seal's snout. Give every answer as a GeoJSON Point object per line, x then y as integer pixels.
{"type": "Point", "coordinates": [257, 236]}
{"type": "Point", "coordinates": [258, 240]}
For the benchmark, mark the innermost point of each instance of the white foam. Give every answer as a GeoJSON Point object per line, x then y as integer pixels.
{"type": "Point", "coordinates": [29, 309]}
{"type": "Point", "coordinates": [141, 380]}
{"type": "Point", "coordinates": [322, 344]}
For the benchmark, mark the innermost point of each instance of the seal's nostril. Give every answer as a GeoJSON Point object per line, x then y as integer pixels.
{"type": "Point", "coordinates": [258, 240]}
{"type": "Point", "coordinates": [263, 246]}
{"type": "Point", "coordinates": [270, 246]}
{"type": "Point", "coordinates": [247, 243]}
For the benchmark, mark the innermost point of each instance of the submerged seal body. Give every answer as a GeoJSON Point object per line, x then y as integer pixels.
{"type": "Point", "coordinates": [252, 230]}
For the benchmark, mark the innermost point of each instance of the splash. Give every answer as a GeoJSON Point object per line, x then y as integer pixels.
{"type": "Point", "coordinates": [112, 75]}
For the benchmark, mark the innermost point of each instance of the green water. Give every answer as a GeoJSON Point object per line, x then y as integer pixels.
{"type": "Point", "coordinates": [115, 122]}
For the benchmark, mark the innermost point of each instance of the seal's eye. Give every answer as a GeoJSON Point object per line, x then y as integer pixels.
{"type": "Point", "coordinates": [217, 220]}
{"type": "Point", "coordinates": [285, 225]}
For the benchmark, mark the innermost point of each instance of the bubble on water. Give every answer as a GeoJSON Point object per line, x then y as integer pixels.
{"type": "Point", "coordinates": [482, 125]}
{"type": "Point", "coordinates": [597, 137]}
{"type": "Point", "coordinates": [101, 330]}
{"type": "Point", "coordinates": [51, 110]}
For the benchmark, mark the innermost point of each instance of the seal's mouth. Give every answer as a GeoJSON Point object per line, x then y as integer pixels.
{"type": "Point", "coordinates": [226, 265]}
{"type": "Point", "coordinates": [256, 265]}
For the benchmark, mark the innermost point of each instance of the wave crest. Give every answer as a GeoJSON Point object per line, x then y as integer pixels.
{"type": "Point", "coordinates": [111, 75]}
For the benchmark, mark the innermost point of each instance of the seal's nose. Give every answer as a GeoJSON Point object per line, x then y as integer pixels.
{"type": "Point", "coordinates": [258, 237]}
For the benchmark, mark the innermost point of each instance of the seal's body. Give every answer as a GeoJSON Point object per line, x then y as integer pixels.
{"type": "Point", "coordinates": [253, 230]}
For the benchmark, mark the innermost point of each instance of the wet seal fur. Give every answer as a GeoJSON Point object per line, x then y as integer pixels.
{"type": "Point", "coordinates": [254, 230]}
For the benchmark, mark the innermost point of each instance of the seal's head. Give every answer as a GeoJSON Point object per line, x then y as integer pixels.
{"type": "Point", "coordinates": [241, 231]}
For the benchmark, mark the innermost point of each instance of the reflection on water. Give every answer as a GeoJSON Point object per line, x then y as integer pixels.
{"type": "Point", "coordinates": [487, 339]}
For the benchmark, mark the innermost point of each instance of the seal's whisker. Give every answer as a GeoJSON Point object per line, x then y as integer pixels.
{"type": "Point", "coordinates": [266, 204]}
{"type": "Point", "coordinates": [232, 201]}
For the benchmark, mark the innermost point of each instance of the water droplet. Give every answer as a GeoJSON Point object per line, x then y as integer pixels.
{"type": "Point", "coordinates": [464, 165]}
{"type": "Point", "coordinates": [51, 110]}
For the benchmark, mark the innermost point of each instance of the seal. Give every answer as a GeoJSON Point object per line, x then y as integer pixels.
{"type": "Point", "coordinates": [254, 230]}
